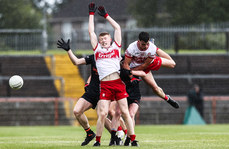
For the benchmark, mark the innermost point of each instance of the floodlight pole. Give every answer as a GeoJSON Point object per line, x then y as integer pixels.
{"type": "Point", "coordinates": [44, 32]}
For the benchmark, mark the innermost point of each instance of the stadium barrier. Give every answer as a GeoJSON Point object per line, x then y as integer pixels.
{"type": "Point", "coordinates": [153, 110]}
{"type": "Point", "coordinates": [34, 111]}
{"type": "Point", "coordinates": [33, 86]}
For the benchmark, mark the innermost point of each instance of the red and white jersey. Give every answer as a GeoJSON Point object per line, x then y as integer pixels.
{"type": "Point", "coordinates": [107, 60]}
{"type": "Point", "coordinates": [138, 56]}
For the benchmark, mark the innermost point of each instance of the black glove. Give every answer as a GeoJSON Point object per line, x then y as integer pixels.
{"type": "Point", "coordinates": [102, 11]}
{"type": "Point", "coordinates": [63, 44]}
{"type": "Point", "coordinates": [92, 8]}
{"type": "Point", "coordinates": [125, 75]}
{"type": "Point", "coordinates": [86, 86]}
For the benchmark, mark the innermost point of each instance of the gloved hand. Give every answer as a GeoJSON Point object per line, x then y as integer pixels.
{"type": "Point", "coordinates": [63, 45]}
{"type": "Point", "coordinates": [125, 75]}
{"type": "Point", "coordinates": [102, 11]}
{"type": "Point", "coordinates": [92, 8]}
{"type": "Point", "coordinates": [86, 86]}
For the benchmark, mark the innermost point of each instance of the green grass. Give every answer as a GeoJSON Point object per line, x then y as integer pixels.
{"type": "Point", "coordinates": [149, 136]}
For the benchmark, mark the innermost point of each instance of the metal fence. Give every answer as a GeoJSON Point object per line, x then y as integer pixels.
{"type": "Point", "coordinates": [21, 39]}
{"type": "Point", "coordinates": [210, 36]}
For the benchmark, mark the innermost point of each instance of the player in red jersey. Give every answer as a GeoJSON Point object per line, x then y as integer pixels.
{"type": "Point", "coordinates": [108, 57]}
{"type": "Point", "coordinates": [141, 55]}
{"type": "Point", "coordinates": [91, 96]}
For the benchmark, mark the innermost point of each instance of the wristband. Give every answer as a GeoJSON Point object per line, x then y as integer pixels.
{"type": "Point", "coordinates": [91, 13]}
{"type": "Point", "coordinates": [106, 15]}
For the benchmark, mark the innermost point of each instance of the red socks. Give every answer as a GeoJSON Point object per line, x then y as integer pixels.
{"type": "Point", "coordinates": [119, 128]}
{"type": "Point", "coordinates": [98, 138]}
{"type": "Point", "coordinates": [132, 137]}
{"type": "Point", "coordinates": [125, 131]}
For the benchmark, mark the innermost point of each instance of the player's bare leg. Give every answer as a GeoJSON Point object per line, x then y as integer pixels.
{"type": "Point", "coordinates": [115, 124]}
{"type": "Point", "coordinates": [128, 121]}
{"type": "Point", "coordinates": [111, 115]}
{"type": "Point", "coordinates": [167, 61]}
{"type": "Point", "coordinates": [149, 79]}
{"type": "Point", "coordinates": [108, 124]}
{"type": "Point", "coordinates": [102, 112]}
{"type": "Point", "coordinates": [112, 112]}
{"type": "Point", "coordinates": [119, 126]}
{"type": "Point", "coordinates": [122, 130]}
{"type": "Point", "coordinates": [133, 108]}
{"type": "Point", "coordinates": [81, 106]}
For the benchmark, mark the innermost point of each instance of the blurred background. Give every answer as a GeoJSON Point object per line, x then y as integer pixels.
{"type": "Point", "coordinates": [194, 33]}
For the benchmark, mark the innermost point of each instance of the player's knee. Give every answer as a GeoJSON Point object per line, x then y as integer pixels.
{"type": "Point", "coordinates": [125, 114]}
{"type": "Point", "coordinates": [77, 113]}
{"type": "Point", "coordinates": [118, 113]}
{"type": "Point", "coordinates": [111, 113]}
{"type": "Point", "coordinates": [103, 114]}
{"type": "Point", "coordinates": [132, 115]}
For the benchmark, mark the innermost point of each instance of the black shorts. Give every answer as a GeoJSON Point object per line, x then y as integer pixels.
{"type": "Point", "coordinates": [134, 93]}
{"type": "Point", "coordinates": [92, 98]}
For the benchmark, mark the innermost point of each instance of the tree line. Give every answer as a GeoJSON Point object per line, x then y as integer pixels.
{"type": "Point", "coordinates": [148, 13]}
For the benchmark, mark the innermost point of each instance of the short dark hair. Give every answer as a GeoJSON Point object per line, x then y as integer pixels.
{"type": "Point", "coordinates": [103, 34]}
{"type": "Point", "coordinates": [143, 36]}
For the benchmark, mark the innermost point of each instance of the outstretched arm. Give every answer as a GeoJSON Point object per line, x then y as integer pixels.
{"type": "Point", "coordinates": [91, 26]}
{"type": "Point", "coordinates": [117, 29]}
{"type": "Point", "coordinates": [76, 61]}
{"type": "Point", "coordinates": [66, 46]}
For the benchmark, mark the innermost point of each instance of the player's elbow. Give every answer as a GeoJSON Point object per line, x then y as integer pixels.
{"type": "Point", "coordinates": [76, 62]}
{"type": "Point", "coordinates": [118, 27]}
{"type": "Point", "coordinates": [90, 31]}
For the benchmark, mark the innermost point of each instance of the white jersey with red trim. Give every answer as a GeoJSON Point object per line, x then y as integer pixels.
{"type": "Point", "coordinates": [138, 56]}
{"type": "Point", "coordinates": [107, 60]}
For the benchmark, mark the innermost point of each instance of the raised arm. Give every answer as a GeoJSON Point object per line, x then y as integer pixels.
{"type": "Point", "coordinates": [66, 46]}
{"type": "Point", "coordinates": [91, 26]}
{"type": "Point", "coordinates": [117, 29]}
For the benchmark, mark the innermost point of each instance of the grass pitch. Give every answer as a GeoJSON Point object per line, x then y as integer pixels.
{"type": "Point", "coordinates": [149, 137]}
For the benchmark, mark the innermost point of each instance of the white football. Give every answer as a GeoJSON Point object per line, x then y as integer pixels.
{"type": "Point", "coordinates": [16, 82]}
{"type": "Point", "coordinates": [120, 134]}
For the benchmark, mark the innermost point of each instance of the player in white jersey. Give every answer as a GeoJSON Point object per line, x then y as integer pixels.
{"type": "Point", "coordinates": [141, 55]}
{"type": "Point", "coordinates": [107, 57]}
